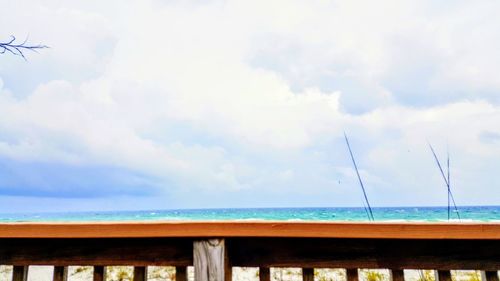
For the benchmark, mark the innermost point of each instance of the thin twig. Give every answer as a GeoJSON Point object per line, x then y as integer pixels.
{"type": "Point", "coordinates": [18, 49]}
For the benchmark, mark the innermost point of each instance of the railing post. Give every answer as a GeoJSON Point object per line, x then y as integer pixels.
{"type": "Point", "coordinates": [60, 273]}
{"type": "Point", "coordinates": [181, 273]}
{"type": "Point", "coordinates": [99, 273]}
{"type": "Point", "coordinates": [397, 275]}
{"type": "Point", "coordinates": [307, 274]}
{"type": "Point", "coordinates": [20, 273]}
{"type": "Point", "coordinates": [352, 274]}
{"type": "Point", "coordinates": [443, 275]}
{"type": "Point", "coordinates": [489, 275]}
{"type": "Point", "coordinates": [264, 274]}
{"type": "Point", "coordinates": [140, 273]}
{"type": "Point", "coordinates": [211, 261]}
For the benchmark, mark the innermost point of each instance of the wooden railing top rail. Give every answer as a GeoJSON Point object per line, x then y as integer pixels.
{"type": "Point", "coordinates": [406, 230]}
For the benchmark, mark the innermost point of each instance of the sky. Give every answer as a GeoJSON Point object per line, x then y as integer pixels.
{"type": "Point", "coordinates": [232, 104]}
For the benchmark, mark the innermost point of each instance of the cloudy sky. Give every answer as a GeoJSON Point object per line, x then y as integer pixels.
{"type": "Point", "coordinates": [198, 104]}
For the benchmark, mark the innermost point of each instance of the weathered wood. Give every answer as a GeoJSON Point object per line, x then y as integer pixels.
{"type": "Point", "coordinates": [20, 273]}
{"type": "Point", "coordinates": [181, 273]}
{"type": "Point", "coordinates": [352, 274]}
{"type": "Point", "coordinates": [489, 275]}
{"type": "Point", "coordinates": [397, 275]}
{"type": "Point", "coordinates": [365, 253]}
{"type": "Point", "coordinates": [443, 275]}
{"type": "Point", "coordinates": [228, 229]}
{"type": "Point", "coordinates": [210, 260]}
{"type": "Point", "coordinates": [442, 254]}
{"type": "Point", "coordinates": [99, 273]}
{"type": "Point", "coordinates": [60, 273]}
{"type": "Point", "coordinates": [307, 274]}
{"type": "Point", "coordinates": [140, 273]}
{"type": "Point", "coordinates": [264, 274]}
{"type": "Point", "coordinates": [104, 252]}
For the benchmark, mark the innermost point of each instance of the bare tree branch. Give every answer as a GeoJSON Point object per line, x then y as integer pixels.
{"type": "Point", "coordinates": [18, 49]}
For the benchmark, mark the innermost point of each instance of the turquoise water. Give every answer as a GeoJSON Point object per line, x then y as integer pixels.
{"type": "Point", "coordinates": [469, 213]}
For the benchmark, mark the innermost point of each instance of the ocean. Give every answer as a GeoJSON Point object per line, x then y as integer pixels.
{"type": "Point", "coordinates": [429, 214]}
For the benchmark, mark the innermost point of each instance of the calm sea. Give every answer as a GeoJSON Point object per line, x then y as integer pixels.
{"type": "Point", "coordinates": [469, 213]}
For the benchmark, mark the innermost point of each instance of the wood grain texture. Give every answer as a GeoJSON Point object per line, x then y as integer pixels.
{"type": "Point", "coordinates": [20, 273]}
{"type": "Point", "coordinates": [209, 260]}
{"type": "Point", "coordinates": [397, 275]}
{"type": "Point", "coordinates": [99, 273]}
{"type": "Point", "coordinates": [60, 273]}
{"type": "Point", "coordinates": [307, 274]}
{"type": "Point", "coordinates": [181, 273]}
{"type": "Point", "coordinates": [140, 273]}
{"type": "Point", "coordinates": [252, 229]}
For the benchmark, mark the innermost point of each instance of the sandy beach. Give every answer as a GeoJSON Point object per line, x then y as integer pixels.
{"type": "Point", "coordinates": [156, 273]}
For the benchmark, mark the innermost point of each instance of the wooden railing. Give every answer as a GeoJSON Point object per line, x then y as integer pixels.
{"type": "Point", "coordinates": [213, 248]}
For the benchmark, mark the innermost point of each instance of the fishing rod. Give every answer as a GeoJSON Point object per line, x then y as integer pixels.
{"type": "Point", "coordinates": [447, 182]}
{"type": "Point", "coordinates": [369, 212]}
{"type": "Point", "coordinates": [366, 210]}
{"type": "Point", "coordinates": [448, 167]}
{"type": "Point", "coordinates": [450, 195]}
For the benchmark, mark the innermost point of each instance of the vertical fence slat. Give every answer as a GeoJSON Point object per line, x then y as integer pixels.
{"type": "Point", "coordinates": [397, 275]}
{"type": "Point", "coordinates": [228, 267]}
{"type": "Point", "coordinates": [20, 273]}
{"type": "Point", "coordinates": [264, 274]}
{"type": "Point", "coordinates": [60, 273]}
{"type": "Point", "coordinates": [181, 273]}
{"type": "Point", "coordinates": [99, 273]}
{"type": "Point", "coordinates": [489, 275]}
{"type": "Point", "coordinates": [352, 274]}
{"type": "Point", "coordinates": [140, 273]}
{"type": "Point", "coordinates": [307, 274]}
{"type": "Point", "coordinates": [443, 275]}
{"type": "Point", "coordinates": [210, 260]}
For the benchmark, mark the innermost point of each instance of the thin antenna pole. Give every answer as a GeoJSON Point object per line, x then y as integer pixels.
{"type": "Point", "coordinates": [447, 182]}
{"type": "Point", "coordinates": [369, 212]}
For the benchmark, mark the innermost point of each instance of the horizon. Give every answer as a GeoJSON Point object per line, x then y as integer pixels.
{"type": "Point", "coordinates": [242, 208]}
{"type": "Point", "coordinates": [183, 105]}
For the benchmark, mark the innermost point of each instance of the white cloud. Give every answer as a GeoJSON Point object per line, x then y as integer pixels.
{"type": "Point", "coordinates": [228, 94]}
